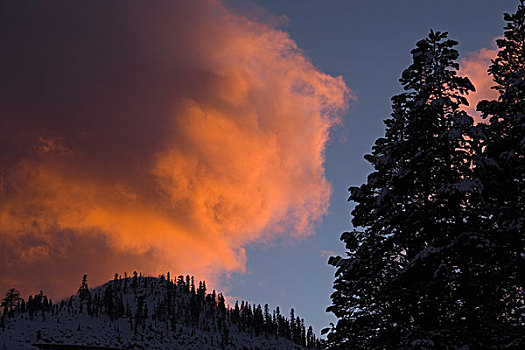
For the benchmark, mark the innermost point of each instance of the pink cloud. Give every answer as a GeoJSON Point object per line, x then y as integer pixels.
{"type": "Point", "coordinates": [156, 138]}
{"type": "Point", "coordinates": [475, 65]}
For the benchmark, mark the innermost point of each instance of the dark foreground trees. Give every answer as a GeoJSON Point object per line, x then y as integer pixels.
{"type": "Point", "coordinates": [504, 168]}
{"type": "Point", "coordinates": [437, 261]}
{"type": "Point", "coordinates": [401, 284]}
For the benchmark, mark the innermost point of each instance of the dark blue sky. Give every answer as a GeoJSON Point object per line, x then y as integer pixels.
{"type": "Point", "coordinates": [368, 43]}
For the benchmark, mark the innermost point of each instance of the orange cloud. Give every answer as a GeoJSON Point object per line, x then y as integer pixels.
{"type": "Point", "coordinates": [474, 65]}
{"type": "Point", "coordinates": [155, 138]}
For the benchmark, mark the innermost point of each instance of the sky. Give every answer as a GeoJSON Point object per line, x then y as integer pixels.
{"type": "Point", "coordinates": [215, 138]}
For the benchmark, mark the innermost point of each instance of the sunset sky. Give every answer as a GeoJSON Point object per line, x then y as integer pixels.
{"type": "Point", "coordinates": [202, 137]}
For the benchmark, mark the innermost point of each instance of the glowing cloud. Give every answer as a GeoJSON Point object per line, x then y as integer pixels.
{"type": "Point", "coordinates": [153, 136]}
{"type": "Point", "coordinates": [474, 65]}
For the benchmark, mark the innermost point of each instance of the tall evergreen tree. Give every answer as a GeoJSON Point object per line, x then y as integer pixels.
{"type": "Point", "coordinates": [414, 276]}
{"type": "Point", "coordinates": [504, 171]}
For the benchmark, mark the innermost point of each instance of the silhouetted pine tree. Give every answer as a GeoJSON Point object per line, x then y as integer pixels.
{"type": "Point", "coordinates": [11, 300]}
{"type": "Point", "coordinates": [292, 332]}
{"type": "Point", "coordinates": [109, 302]}
{"type": "Point", "coordinates": [135, 281]}
{"type": "Point", "coordinates": [415, 275]}
{"type": "Point", "coordinates": [268, 323]}
{"type": "Point", "coordinates": [83, 290]}
{"type": "Point", "coordinates": [504, 178]}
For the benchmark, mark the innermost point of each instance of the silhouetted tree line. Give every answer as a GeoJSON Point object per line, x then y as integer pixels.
{"type": "Point", "coordinates": [36, 305]}
{"type": "Point", "coordinates": [166, 304]}
{"type": "Point", "coordinates": [437, 259]}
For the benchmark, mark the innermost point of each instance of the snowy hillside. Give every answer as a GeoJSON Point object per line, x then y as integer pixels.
{"type": "Point", "coordinates": [148, 313]}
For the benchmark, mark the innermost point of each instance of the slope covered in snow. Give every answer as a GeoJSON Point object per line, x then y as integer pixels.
{"type": "Point", "coordinates": [149, 313]}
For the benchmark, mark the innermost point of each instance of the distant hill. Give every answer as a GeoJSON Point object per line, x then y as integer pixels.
{"type": "Point", "coordinates": [148, 313]}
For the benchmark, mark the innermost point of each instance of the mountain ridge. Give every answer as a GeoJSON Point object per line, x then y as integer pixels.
{"type": "Point", "coordinates": [140, 312]}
